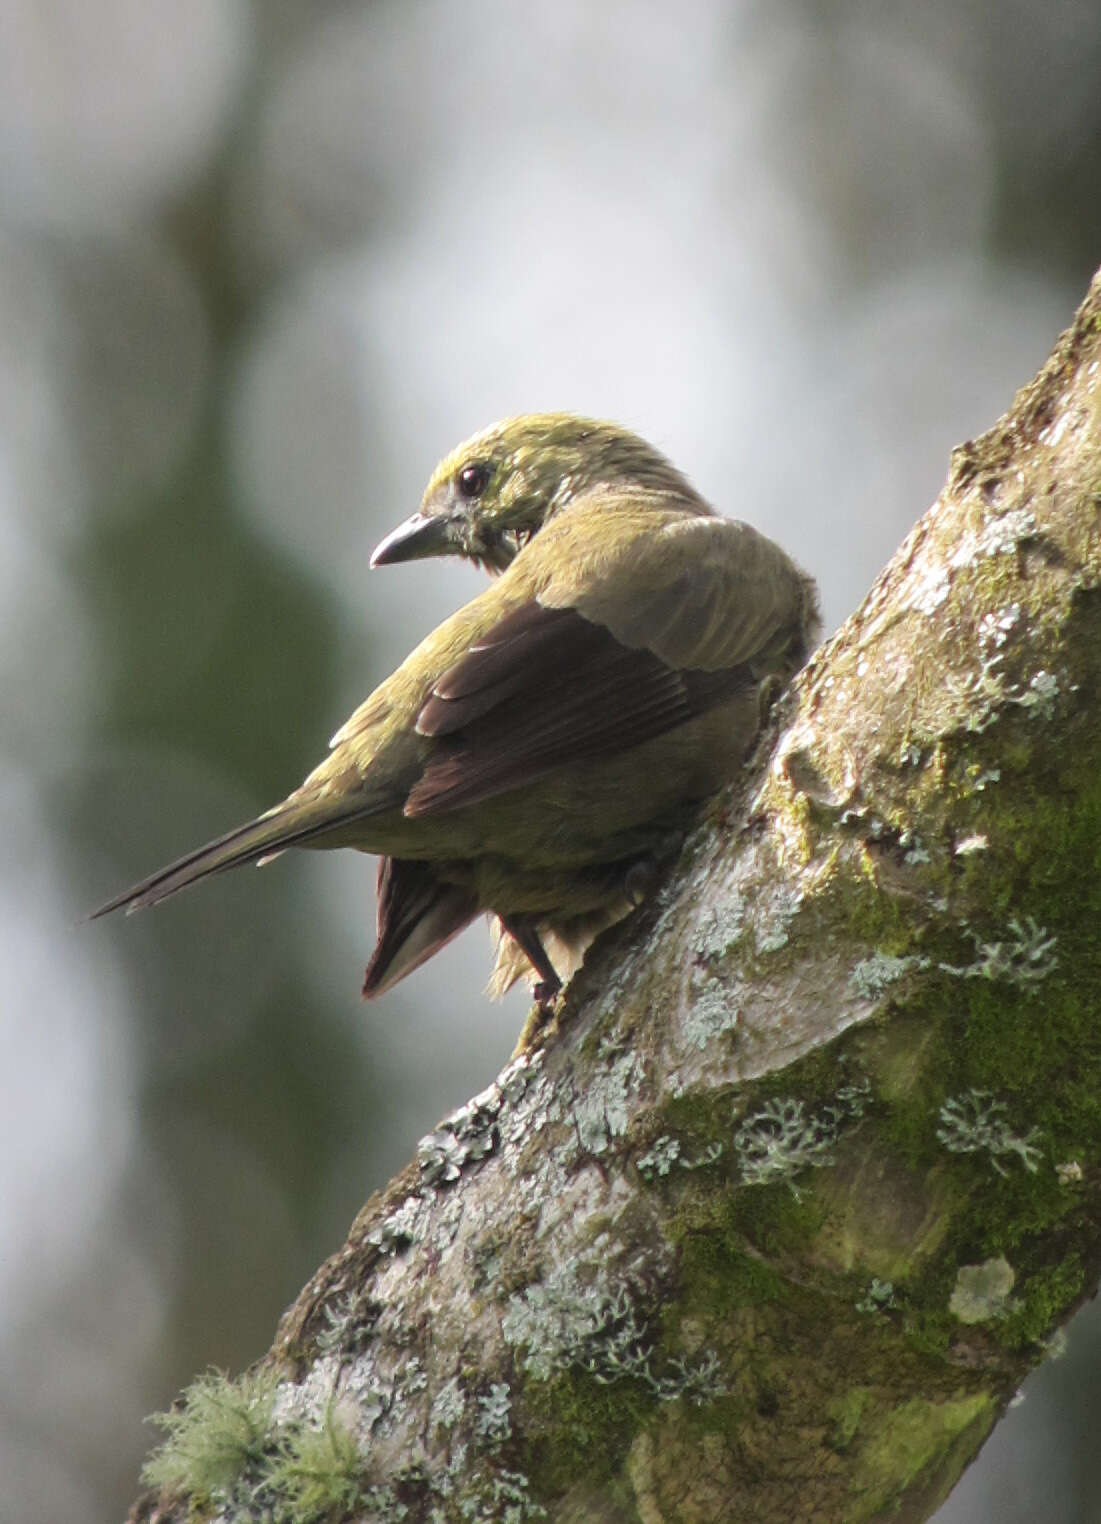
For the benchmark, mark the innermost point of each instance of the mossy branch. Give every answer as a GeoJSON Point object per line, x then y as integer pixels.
{"type": "Point", "coordinates": [776, 1221]}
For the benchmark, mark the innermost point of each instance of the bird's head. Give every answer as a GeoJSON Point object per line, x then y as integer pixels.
{"type": "Point", "coordinates": [488, 498]}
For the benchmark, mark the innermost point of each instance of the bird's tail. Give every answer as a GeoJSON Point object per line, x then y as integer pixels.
{"type": "Point", "coordinates": [288, 825]}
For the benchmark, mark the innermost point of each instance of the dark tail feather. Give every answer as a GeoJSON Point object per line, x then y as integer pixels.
{"type": "Point", "coordinates": [417, 915]}
{"type": "Point", "coordinates": [286, 826]}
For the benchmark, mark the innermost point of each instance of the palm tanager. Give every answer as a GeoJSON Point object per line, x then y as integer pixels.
{"type": "Point", "coordinates": [536, 755]}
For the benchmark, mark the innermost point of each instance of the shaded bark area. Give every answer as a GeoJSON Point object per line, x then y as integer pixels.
{"type": "Point", "coordinates": [773, 1223]}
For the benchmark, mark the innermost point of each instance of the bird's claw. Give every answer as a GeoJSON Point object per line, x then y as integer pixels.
{"type": "Point", "coordinates": [545, 992]}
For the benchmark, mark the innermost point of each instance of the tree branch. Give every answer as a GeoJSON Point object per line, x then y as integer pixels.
{"type": "Point", "coordinates": [776, 1221]}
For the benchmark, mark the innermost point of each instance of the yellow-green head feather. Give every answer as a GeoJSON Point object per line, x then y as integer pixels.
{"type": "Point", "coordinates": [491, 494]}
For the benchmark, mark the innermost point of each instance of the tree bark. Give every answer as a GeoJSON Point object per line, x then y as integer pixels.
{"type": "Point", "coordinates": [774, 1222]}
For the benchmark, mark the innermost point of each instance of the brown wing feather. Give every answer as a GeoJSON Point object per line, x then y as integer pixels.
{"type": "Point", "coordinates": [522, 637]}
{"type": "Point", "coordinates": [552, 656]}
{"type": "Point", "coordinates": [547, 687]}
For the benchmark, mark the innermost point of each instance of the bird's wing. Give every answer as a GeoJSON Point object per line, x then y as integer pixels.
{"type": "Point", "coordinates": [700, 592]}
{"type": "Point", "coordinates": [613, 651]}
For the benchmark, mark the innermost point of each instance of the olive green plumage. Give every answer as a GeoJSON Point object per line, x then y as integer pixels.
{"type": "Point", "coordinates": [541, 749]}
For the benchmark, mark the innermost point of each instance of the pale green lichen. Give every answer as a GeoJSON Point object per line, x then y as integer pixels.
{"type": "Point", "coordinates": [974, 1123]}
{"type": "Point", "coordinates": [317, 1474]}
{"type": "Point", "coordinates": [720, 927]}
{"type": "Point", "coordinates": [981, 1293]}
{"type": "Point", "coordinates": [493, 1415]}
{"type": "Point", "coordinates": [666, 1152]}
{"type": "Point", "coordinates": [980, 696]}
{"type": "Point", "coordinates": [1025, 957]}
{"type": "Point", "coordinates": [350, 1322]}
{"type": "Point", "coordinates": [448, 1406]}
{"type": "Point", "coordinates": [1043, 690]}
{"type": "Point", "coordinates": [469, 1135]}
{"type": "Point", "coordinates": [401, 1229]}
{"type": "Point", "coordinates": [305, 1401]}
{"type": "Point", "coordinates": [561, 1325]}
{"type": "Point", "coordinates": [498, 1498]}
{"type": "Point", "coordinates": [850, 1102]}
{"type": "Point", "coordinates": [879, 1296]}
{"type": "Point", "coordinates": [773, 1143]}
{"type": "Point", "coordinates": [603, 1111]}
{"type": "Point", "coordinates": [660, 1158]}
{"type": "Point", "coordinates": [217, 1432]}
{"type": "Point", "coordinates": [712, 1012]}
{"type": "Point", "coordinates": [443, 1154]}
{"type": "Point", "coordinates": [559, 1322]}
{"type": "Point", "coordinates": [779, 908]}
{"type": "Point", "coordinates": [873, 975]}
{"type": "Point", "coordinates": [375, 1396]}
{"type": "Point", "coordinates": [517, 1075]}
{"type": "Point", "coordinates": [994, 628]}
{"type": "Point", "coordinates": [707, 1155]}
{"type": "Point", "coordinates": [1000, 535]}
{"type": "Point", "coordinates": [781, 1139]}
{"type": "Point", "coordinates": [698, 1381]}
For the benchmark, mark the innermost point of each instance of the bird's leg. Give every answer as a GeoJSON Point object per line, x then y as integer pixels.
{"type": "Point", "coordinates": [524, 934]}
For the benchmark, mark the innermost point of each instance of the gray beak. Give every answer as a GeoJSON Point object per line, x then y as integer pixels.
{"type": "Point", "coordinates": [425, 534]}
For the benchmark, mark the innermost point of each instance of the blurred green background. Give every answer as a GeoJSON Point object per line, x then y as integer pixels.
{"type": "Point", "coordinates": [260, 265]}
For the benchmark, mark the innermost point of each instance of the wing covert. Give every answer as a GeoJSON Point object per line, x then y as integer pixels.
{"type": "Point", "coordinates": [699, 591]}
{"type": "Point", "coordinates": [547, 687]}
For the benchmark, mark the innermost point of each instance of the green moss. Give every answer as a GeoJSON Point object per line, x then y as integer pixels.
{"type": "Point", "coordinates": [718, 1278]}
{"type": "Point", "coordinates": [727, 1233]}
{"type": "Point", "coordinates": [774, 1219]}
{"type": "Point", "coordinates": [880, 921]}
{"type": "Point", "coordinates": [1043, 1299]}
{"type": "Point", "coordinates": [591, 1424]}
{"type": "Point", "coordinates": [845, 1414]}
{"type": "Point", "coordinates": [919, 1441]}
{"type": "Point", "coordinates": [696, 1119]}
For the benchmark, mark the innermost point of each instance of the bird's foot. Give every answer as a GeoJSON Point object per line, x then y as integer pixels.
{"type": "Point", "coordinates": [524, 934]}
{"type": "Point", "coordinates": [542, 1021]}
{"type": "Point", "coordinates": [545, 992]}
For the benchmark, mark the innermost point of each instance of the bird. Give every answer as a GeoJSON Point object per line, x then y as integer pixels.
{"type": "Point", "coordinates": [541, 753]}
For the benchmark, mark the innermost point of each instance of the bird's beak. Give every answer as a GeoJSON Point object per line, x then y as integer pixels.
{"type": "Point", "coordinates": [425, 534]}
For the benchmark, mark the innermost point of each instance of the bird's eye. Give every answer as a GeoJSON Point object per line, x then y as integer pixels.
{"type": "Point", "coordinates": [474, 479]}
